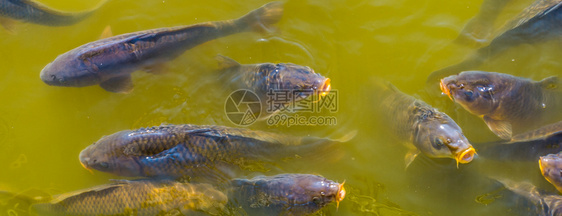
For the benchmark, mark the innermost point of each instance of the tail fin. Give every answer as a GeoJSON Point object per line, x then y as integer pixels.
{"type": "Point", "coordinates": [19, 204]}
{"type": "Point", "coordinates": [260, 19]}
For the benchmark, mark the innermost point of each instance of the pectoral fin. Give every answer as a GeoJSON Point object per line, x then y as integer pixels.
{"type": "Point", "coordinates": [159, 68]}
{"type": "Point", "coordinates": [501, 128]}
{"type": "Point", "coordinates": [550, 82]}
{"type": "Point", "coordinates": [106, 32]}
{"type": "Point", "coordinates": [410, 156]}
{"type": "Point", "coordinates": [226, 62]}
{"type": "Point", "coordinates": [120, 84]}
{"type": "Point", "coordinates": [8, 24]}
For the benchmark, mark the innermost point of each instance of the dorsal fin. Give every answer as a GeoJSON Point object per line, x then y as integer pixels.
{"type": "Point", "coordinates": [550, 82]}
{"type": "Point", "coordinates": [226, 62]}
{"type": "Point", "coordinates": [88, 192]}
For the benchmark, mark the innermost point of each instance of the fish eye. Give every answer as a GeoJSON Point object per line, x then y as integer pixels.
{"type": "Point", "coordinates": [438, 143]}
{"type": "Point", "coordinates": [62, 80]}
{"type": "Point", "coordinates": [316, 200]}
{"type": "Point", "coordinates": [468, 93]}
{"type": "Point", "coordinates": [104, 165]}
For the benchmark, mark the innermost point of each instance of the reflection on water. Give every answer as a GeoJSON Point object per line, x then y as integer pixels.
{"type": "Point", "coordinates": [43, 128]}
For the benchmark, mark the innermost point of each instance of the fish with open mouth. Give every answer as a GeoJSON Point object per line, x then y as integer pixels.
{"type": "Point", "coordinates": [285, 194]}
{"type": "Point", "coordinates": [505, 101]}
{"type": "Point", "coordinates": [109, 62]}
{"type": "Point", "coordinates": [538, 22]}
{"type": "Point", "coordinates": [265, 79]}
{"type": "Point", "coordinates": [423, 128]}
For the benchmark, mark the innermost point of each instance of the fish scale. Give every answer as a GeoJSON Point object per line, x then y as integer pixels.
{"type": "Point", "coordinates": [180, 150]}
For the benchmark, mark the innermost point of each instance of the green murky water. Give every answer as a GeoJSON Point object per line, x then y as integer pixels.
{"type": "Point", "coordinates": [43, 128]}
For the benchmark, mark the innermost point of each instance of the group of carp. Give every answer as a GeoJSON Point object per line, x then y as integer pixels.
{"type": "Point", "coordinates": [514, 108]}
{"type": "Point", "coordinates": [185, 169]}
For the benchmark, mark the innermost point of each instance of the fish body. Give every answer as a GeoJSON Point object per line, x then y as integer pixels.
{"type": "Point", "coordinates": [285, 194]}
{"type": "Point", "coordinates": [109, 62]}
{"type": "Point", "coordinates": [190, 150]}
{"type": "Point", "coordinates": [430, 131]}
{"type": "Point", "coordinates": [141, 197]}
{"type": "Point", "coordinates": [546, 204]}
{"type": "Point", "coordinates": [521, 150]}
{"type": "Point", "coordinates": [30, 11]}
{"type": "Point", "coordinates": [504, 101]}
{"type": "Point", "coordinates": [265, 79]}
{"type": "Point", "coordinates": [539, 22]}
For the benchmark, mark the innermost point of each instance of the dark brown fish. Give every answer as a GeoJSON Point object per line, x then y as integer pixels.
{"type": "Point", "coordinates": [137, 198]}
{"type": "Point", "coordinates": [192, 150]}
{"type": "Point", "coordinates": [424, 128]}
{"type": "Point", "coordinates": [504, 101]}
{"type": "Point", "coordinates": [285, 194]}
{"type": "Point", "coordinates": [109, 62]}
{"type": "Point", "coordinates": [537, 23]}
{"type": "Point", "coordinates": [34, 12]}
{"type": "Point", "coordinates": [264, 79]}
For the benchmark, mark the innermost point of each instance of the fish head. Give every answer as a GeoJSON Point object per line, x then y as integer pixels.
{"type": "Point", "coordinates": [66, 70]}
{"type": "Point", "coordinates": [306, 193]}
{"type": "Point", "coordinates": [302, 80]}
{"type": "Point", "coordinates": [438, 136]}
{"type": "Point", "coordinates": [109, 155]}
{"type": "Point", "coordinates": [551, 169]}
{"type": "Point", "coordinates": [476, 91]}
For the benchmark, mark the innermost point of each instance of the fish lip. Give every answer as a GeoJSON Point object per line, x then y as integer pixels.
{"type": "Point", "coordinates": [326, 87]}
{"type": "Point", "coordinates": [462, 157]}
{"type": "Point", "coordinates": [340, 195]}
{"type": "Point", "coordinates": [445, 88]}
{"type": "Point", "coordinates": [541, 165]}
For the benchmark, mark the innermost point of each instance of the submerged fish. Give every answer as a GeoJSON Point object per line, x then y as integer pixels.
{"type": "Point", "coordinates": [141, 197]}
{"type": "Point", "coordinates": [109, 62]}
{"type": "Point", "coordinates": [528, 146]}
{"type": "Point", "coordinates": [430, 131]}
{"type": "Point", "coordinates": [505, 101]}
{"type": "Point", "coordinates": [191, 150]}
{"type": "Point", "coordinates": [538, 22]}
{"type": "Point", "coordinates": [545, 204]}
{"type": "Point", "coordinates": [34, 12]}
{"type": "Point", "coordinates": [551, 169]}
{"type": "Point", "coordinates": [285, 194]}
{"type": "Point", "coordinates": [264, 79]}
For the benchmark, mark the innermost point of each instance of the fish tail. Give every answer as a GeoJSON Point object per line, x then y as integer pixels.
{"type": "Point", "coordinates": [16, 204]}
{"type": "Point", "coordinates": [262, 18]}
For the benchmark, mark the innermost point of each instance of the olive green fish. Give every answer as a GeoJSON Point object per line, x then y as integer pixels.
{"type": "Point", "coordinates": [285, 194]}
{"type": "Point", "coordinates": [537, 23]}
{"type": "Point", "coordinates": [109, 62]}
{"type": "Point", "coordinates": [192, 150]}
{"type": "Point", "coordinates": [265, 79]}
{"type": "Point", "coordinates": [504, 101]}
{"type": "Point", "coordinates": [34, 12]}
{"type": "Point", "coordinates": [545, 204]}
{"type": "Point", "coordinates": [528, 146]}
{"type": "Point", "coordinates": [423, 128]}
{"type": "Point", "coordinates": [123, 197]}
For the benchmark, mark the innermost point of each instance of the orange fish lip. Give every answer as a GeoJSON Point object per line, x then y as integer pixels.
{"type": "Point", "coordinates": [541, 166]}
{"type": "Point", "coordinates": [445, 89]}
{"type": "Point", "coordinates": [340, 195]}
{"type": "Point", "coordinates": [85, 167]}
{"type": "Point", "coordinates": [465, 156]}
{"type": "Point", "coordinates": [326, 87]}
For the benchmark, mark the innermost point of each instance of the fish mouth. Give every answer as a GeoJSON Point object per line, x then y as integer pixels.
{"type": "Point", "coordinates": [445, 89]}
{"type": "Point", "coordinates": [326, 87]}
{"type": "Point", "coordinates": [465, 156]}
{"type": "Point", "coordinates": [340, 195]}
{"type": "Point", "coordinates": [86, 167]}
{"type": "Point", "coordinates": [541, 165]}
